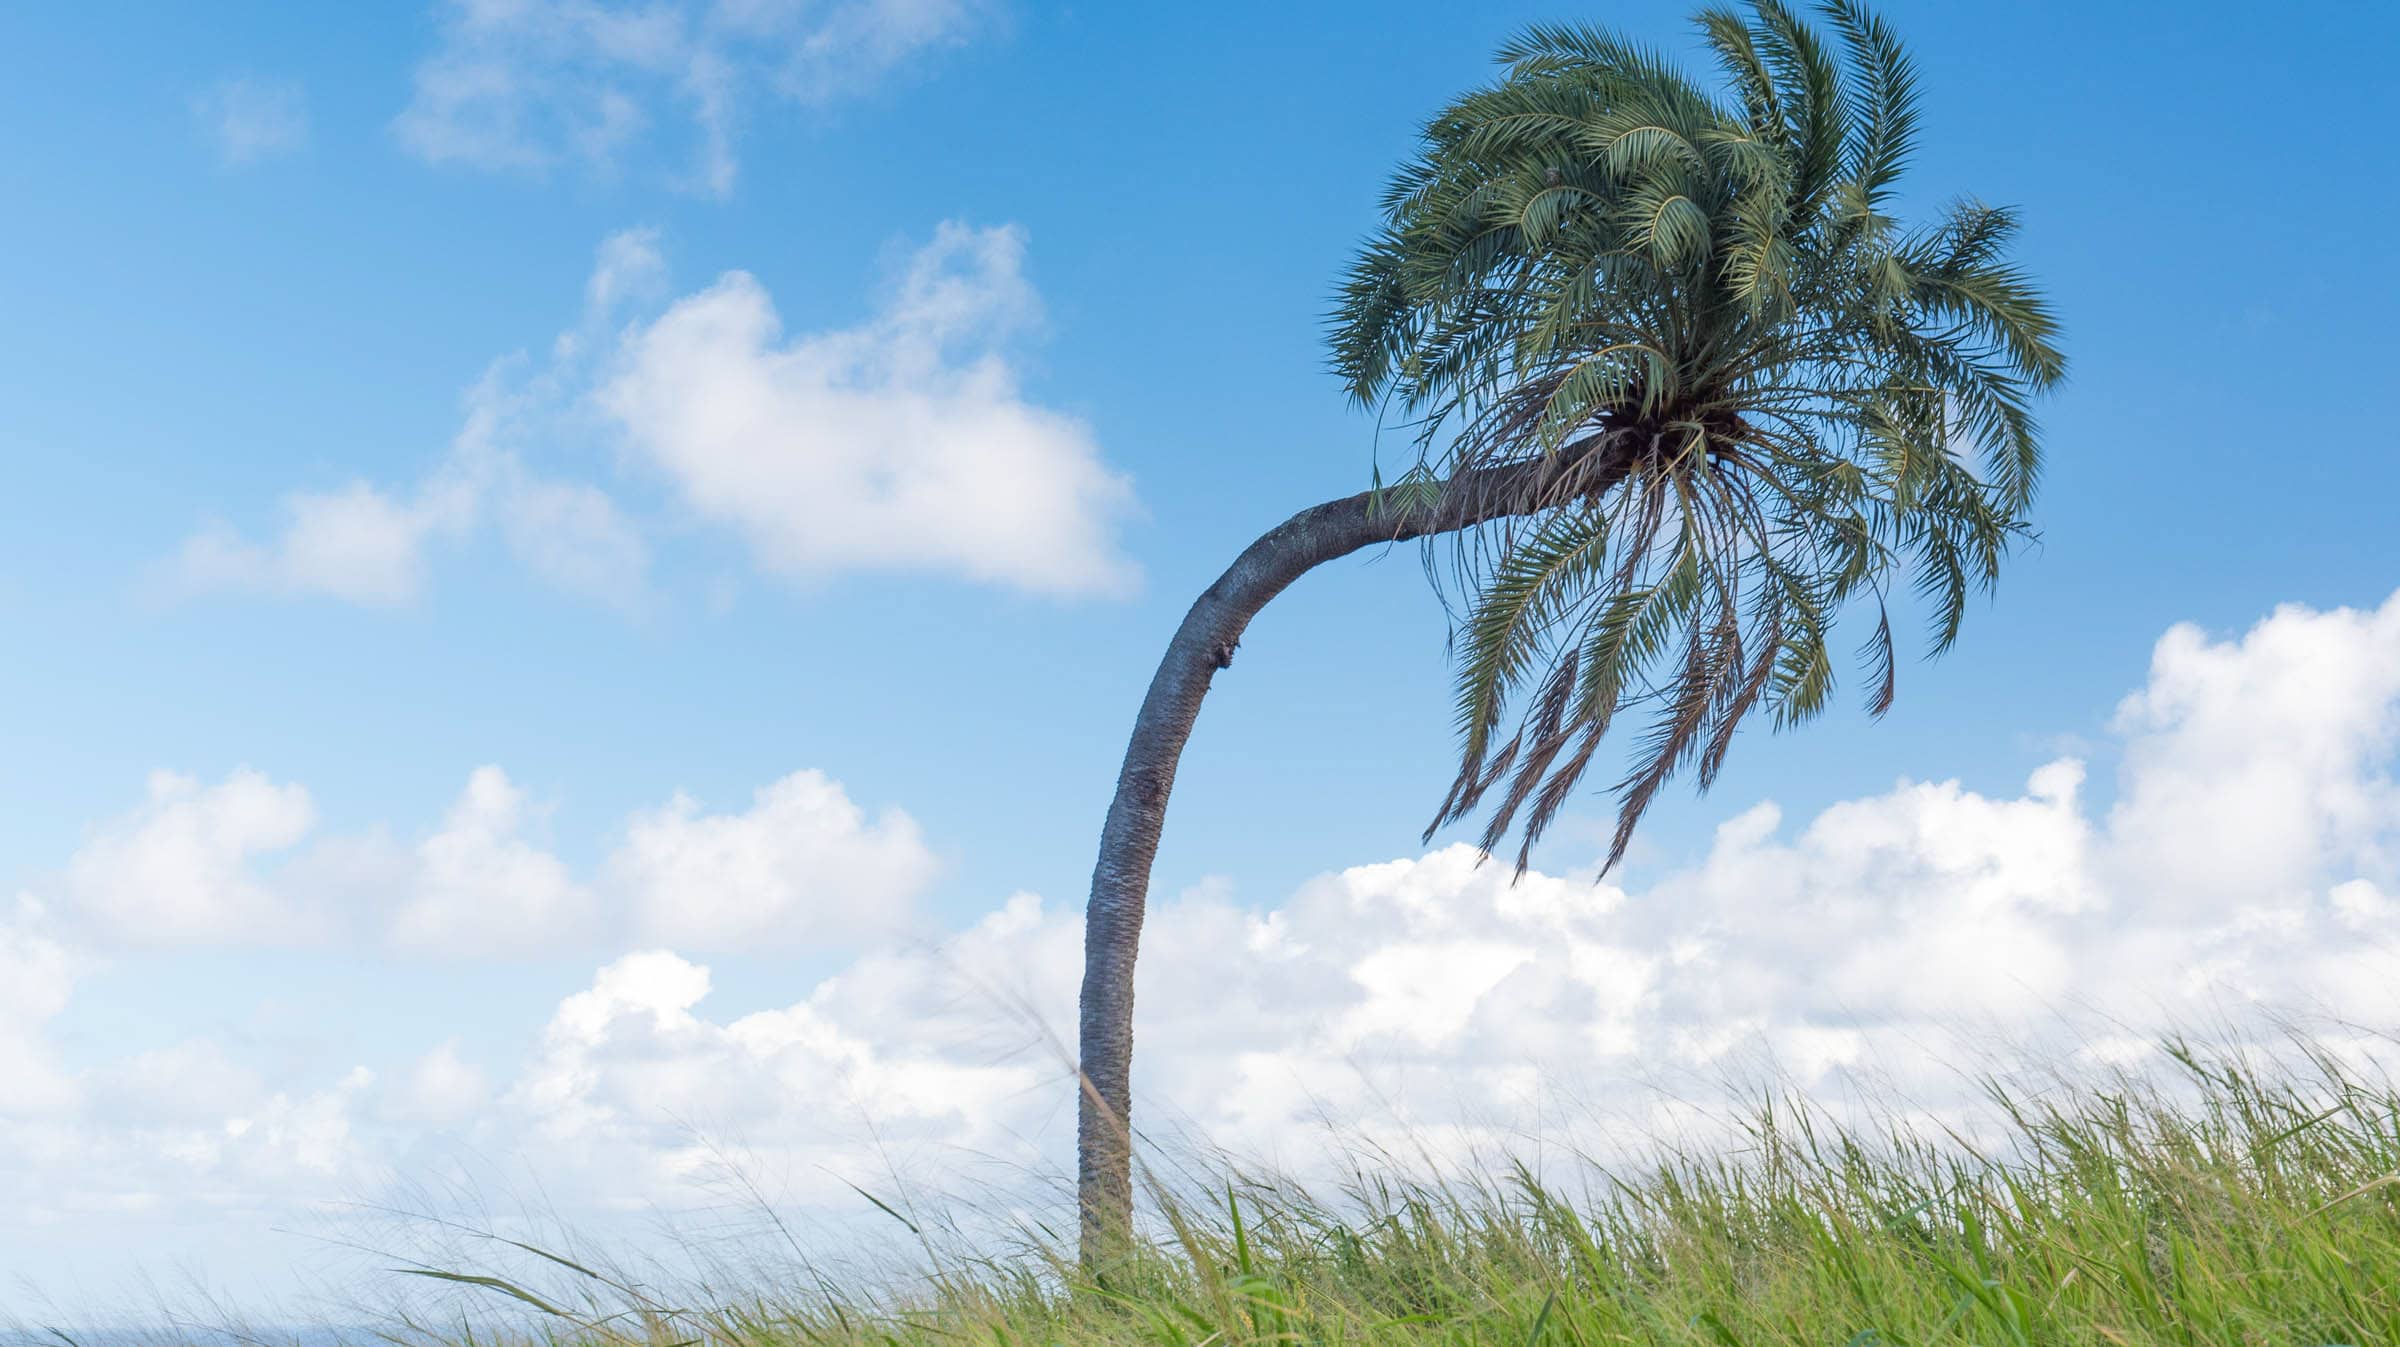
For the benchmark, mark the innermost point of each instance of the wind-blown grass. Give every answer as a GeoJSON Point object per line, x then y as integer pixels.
{"type": "Point", "coordinates": [2228, 1199]}
{"type": "Point", "coordinates": [2222, 1202]}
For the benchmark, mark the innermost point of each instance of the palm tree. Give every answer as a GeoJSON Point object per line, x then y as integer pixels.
{"type": "Point", "coordinates": [1682, 391]}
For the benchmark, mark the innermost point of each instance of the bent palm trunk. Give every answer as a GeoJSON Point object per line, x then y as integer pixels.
{"type": "Point", "coordinates": [1202, 645]}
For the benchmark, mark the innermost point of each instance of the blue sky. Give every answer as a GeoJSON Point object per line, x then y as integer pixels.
{"type": "Point", "coordinates": [252, 252]}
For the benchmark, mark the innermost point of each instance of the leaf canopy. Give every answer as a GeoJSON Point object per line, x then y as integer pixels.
{"type": "Point", "coordinates": [1775, 399]}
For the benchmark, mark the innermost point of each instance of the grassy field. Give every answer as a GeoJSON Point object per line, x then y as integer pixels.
{"type": "Point", "coordinates": [2211, 1203]}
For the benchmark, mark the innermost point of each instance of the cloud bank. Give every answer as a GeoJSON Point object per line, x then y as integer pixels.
{"type": "Point", "coordinates": [239, 863]}
{"type": "Point", "coordinates": [2246, 862]}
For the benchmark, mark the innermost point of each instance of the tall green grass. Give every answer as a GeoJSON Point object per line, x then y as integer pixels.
{"type": "Point", "coordinates": [2216, 1202]}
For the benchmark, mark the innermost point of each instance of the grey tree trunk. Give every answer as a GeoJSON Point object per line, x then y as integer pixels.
{"type": "Point", "coordinates": [1129, 841]}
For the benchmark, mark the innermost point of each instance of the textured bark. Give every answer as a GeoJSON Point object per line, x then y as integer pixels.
{"type": "Point", "coordinates": [1129, 842]}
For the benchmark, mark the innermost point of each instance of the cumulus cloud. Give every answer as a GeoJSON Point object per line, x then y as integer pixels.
{"type": "Point", "coordinates": [371, 545]}
{"type": "Point", "coordinates": [1427, 1002]}
{"type": "Point", "coordinates": [801, 865]}
{"type": "Point", "coordinates": [2252, 764]}
{"type": "Point", "coordinates": [1889, 942]}
{"type": "Point", "coordinates": [240, 863]}
{"type": "Point", "coordinates": [628, 1080]}
{"type": "Point", "coordinates": [357, 543]}
{"type": "Point", "coordinates": [905, 443]}
{"type": "Point", "coordinates": [36, 975]}
{"type": "Point", "coordinates": [250, 119]}
{"type": "Point", "coordinates": [439, 1089]}
{"type": "Point", "coordinates": [482, 888]}
{"type": "Point", "coordinates": [531, 84]}
{"type": "Point", "coordinates": [130, 1165]}
{"type": "Point", "coordinates": [183, 867]}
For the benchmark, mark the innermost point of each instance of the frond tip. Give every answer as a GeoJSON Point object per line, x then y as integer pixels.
{"type": "Point", "coordinates": [1775, 398]}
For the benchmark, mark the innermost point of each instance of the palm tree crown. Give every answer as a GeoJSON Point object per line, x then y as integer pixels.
{"type": "Point", "coordinates": [1755, 395]}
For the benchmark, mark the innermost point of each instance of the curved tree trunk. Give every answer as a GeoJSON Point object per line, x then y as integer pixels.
{"type": "Point", "coordinates": [1129, 842]}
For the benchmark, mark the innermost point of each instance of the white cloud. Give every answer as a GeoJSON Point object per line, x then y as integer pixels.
{"type": "Point", "coordinates": [2250, 765]}
{"type": "Point", "coordinates": [628, 269]}
{"type": "Point", "coordinates": [1893, 941]}
{"type": "Point", "coordinates": [481, 888]}
{"type": "Point", "coordinates": [530, 84]}
{"type": "Point", "coordinates": [573, 536]}
{"type": "Point", "coordinates": [802, 866]}
{"type": "Point", "coordinates": [358, 544]}
{"type": "Point", "coordinates": [238, 863]}
{"type": "Point", "coordinates": [904, 443]}
{"type": "Point", "coordinates": [182, 868]}
{"type": "Point", "coordinates": [194, 1083]}
{"type": "Point", "coordinates": [628, 1083]}
{"type": "Point", "coordinates": [1896, 940]}
{"type": "Point", "coordinates": [439, 1089]}
{"type": "Point", "coordinates": [250, 120]}
{"type": "Point", "coordinates": [36, 975]}
{"type": "Point", "coordinates": [369, 545]}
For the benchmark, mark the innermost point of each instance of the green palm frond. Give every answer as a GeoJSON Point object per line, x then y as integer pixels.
{"type": "Point", "coordinates": [1774, 399]}
{"type": "Point", "coordinates": [1883, 89]}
